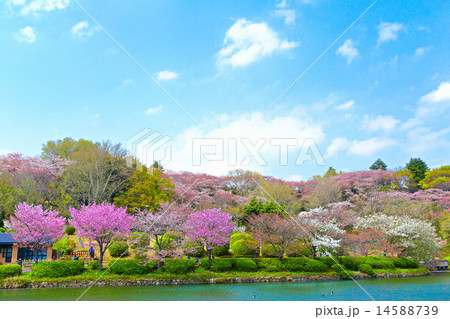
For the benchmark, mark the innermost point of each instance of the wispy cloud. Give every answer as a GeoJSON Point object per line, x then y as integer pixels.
{"type": "Point", "coordinates": [348, 51]}
{"type": "Point", "coordinates": [154, 110]}
{"type": "Point", "coordinates": [379, 123]}
{"type": "Point", "coordinates": [167, 75]}
{"type": "Point", "coordinates": [36, 6]}
{"type": "Point", "coordinates": [26, 34]}
{"type": "Point", "coordinates": [388, 31]}
{"type": "Point", "coordinates": [246, 42]}
{"type": "Point", "coordinates": [362, 148]}
{"type": "Point", "coordinates": [346, 105]}
{"type": "Point", "coordinates": [288, 15]}
{"type": "Point", "coordinates": [421, 51]}
{"type": "Point", "coordinates": [81, 29]}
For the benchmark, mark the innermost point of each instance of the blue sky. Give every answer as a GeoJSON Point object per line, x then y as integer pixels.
{"type": "Point", "coordinates": [382, 90]}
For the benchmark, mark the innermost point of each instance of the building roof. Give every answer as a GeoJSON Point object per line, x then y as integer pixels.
{"type": "Point", "coordinates": [6, 238]}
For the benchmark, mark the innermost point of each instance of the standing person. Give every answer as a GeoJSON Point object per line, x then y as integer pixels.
{"type": "Point", "coordinates": [19, 262]}
{"type": "Point", "coordinates": [91, 253]}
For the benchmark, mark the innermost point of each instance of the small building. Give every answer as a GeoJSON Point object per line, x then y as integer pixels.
{"type": "Point", "coordinates": [10, 251]}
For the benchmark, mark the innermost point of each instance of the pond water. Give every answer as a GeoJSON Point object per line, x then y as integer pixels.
{"type": "Point", "coordinates": [434, 287]}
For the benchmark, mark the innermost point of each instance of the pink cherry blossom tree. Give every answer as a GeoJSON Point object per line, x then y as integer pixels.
{"type": "Point", "coordinates": [209, 227]}
{"type": "Point", "coordinates": [164, 226]}
{"type": "Point", "coordinates": [36, 228]}
{"type": "Point", "coordinates": [101, 223]}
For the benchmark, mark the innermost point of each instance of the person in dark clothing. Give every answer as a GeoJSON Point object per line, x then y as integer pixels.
{"type": "Point", "coordinates": [91, 252]}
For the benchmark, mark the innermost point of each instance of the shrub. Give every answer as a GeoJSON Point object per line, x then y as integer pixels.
{"type": "Point", "coordinates": [295, 263]}
{"type": "Point", "coordinates": [193, 249]}
{"type": "Point", "coordinates": [244, 264]}
{"type": "Point", "coordinates": [350, 263]}
{"type": "Point", "coordinates": [221, 265]}
{"type": "Point", "coordinates": [2, 230]}
{"type": "Point", "coordinates": [268, 251]}
{"type": "Point", "coordinates": [378, 262]}
{"type": "Point", "coordinates": [10, 271]}
{"type": "Point", "coordinates": [221, 250]}
{"type": "Point", "coordinates": [366, 269]}
{"type": "Point", "coordinates": [269, 264]}
{"type": "Point", "coordinates": [405, 263]}
{"type": "Point", "coordinates": [239, 236]}
{"type": "Point", "coordinates": [65, 246]}
{"type": "Point", "coordinates": [298, 251]}
{"type": "Point", "coordinates": [327, 261]}
{"type": "Point", "coordinates": [132, 266]}
{"type": "Point", "coordinates": [118, 249]}
{"type": "Point", "coordinates": [313, 265]}
{"type": "Point", "coordinates": [180, 266]}
{"type": "Point", "coordinates": [244, 247]}
{"type": "Point", "coordinates": [344, 275]}
{"type": "Point", "coordinates": [94, 264]}
{"type": "Point", "coordinates": [138, 239]}
{"type": "Point", "coordinates": [70, 230]}
{"type": "Point", "coordinates": [58, 269]}
{"type": "Point", "coordinates": [205, 263]}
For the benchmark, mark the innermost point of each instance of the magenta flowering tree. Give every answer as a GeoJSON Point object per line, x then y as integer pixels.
{"type": "Point", "coordinates": [36, 228]}
{"type": "Point", "coordinates": [210, 227]}
{"type": "Point", "coordinates": [101, 223]}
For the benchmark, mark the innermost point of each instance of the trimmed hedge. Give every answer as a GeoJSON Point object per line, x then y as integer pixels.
{"type": "Point", "coordinates": [193, 249]}
{"type": "Point", "coordinates": [268, 251]}
{"type": "Point", "coordinates": [94, 264]}
{"type": "Point", "coordinates": [118, 249]}
{"type": "Point", "coordinates": [351, 263]}
{"type": "Point", "coordinates": [10, 271]}
{"type": "Point", "coordinates": [378, 262]}
{"type": "Point", "coordinates": [132, 266]}
{"type": "Point", "coordinates": [327, 261]}
{"type": "Point", "coordinates": [313, 265]}
{"type": "Point", "coordinates": [295, 264]}
{"type": "Point", "coordinates": [221, 265]}
{"type": "Point", "coordinates": [405, 263]}
{"type": "Point", "coordinates": [221, 250]}
{"type": "Point", "coordinates": [180, 266]}
{"type": "Point", "coordinates": [241, 247]}
{"type": "Point", "coordinates": [269, 264]}
{"type": "Point", "coordinates": [244, 264]}
{"type": "Point", "coordinates": [336, 268]}
{"type": "Point", "coordinates": [57, 269]}
{"type": "Point", "coordinates": [366, 269]}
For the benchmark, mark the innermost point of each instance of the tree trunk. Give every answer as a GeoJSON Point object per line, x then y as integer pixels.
{"type": "Point", "coordinates": [313, 252]}
{"type": "Point", "coordinates": [101, 258]}
{"type": "Point", "coordinates": [36, 258]}
{"type": "Point", "coordinates": [209, 253]}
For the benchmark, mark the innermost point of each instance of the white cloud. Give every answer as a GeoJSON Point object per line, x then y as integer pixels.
{"type": "Point", "coordinates": [388, 31]}
{"type": "Point", "coordinates": [380, 122]}
{"type": "Point", "coordinates": [167, 75]}
{"type": "Point", "coordinates": [81, 29]}
{"type": "Point", "coordinates": [295, 178]}
{"type": "Point", "coordinates": [337, 145]}
{"type": "Point", "coordinates": [435, 102]}
{"type": "Point", "coordinates": [420, 52]}
{"type": "Point", "coordinates": [346, 105]}
{"type": "Point", "coordinates": [288, 15]}
{"type": "Point", "coordinates": [422, 139]}
{"type": "Point", "coordinates": [34, 7]}
{"type": "Point", "coordinates": [26, 34]}
{"type": "Point", "coordinates": [154, 110]}
{"type": "Point", "coordinates": [370, 146]}
{"type": "Point", "coordinates": [283, 4]}
{"type": "Point", "coordinates": [348, 51]}
{"type": "Point", "coordinates": [218, 133]}
{"type": "Point", "coordinates": [246, 42]}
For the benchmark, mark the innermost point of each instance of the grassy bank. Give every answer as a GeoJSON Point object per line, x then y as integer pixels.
{"type": "Point", "coordinates": [90, 277]}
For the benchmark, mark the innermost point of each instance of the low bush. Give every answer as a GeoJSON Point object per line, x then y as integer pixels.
{"type": "Point", "coordinates": [350, 263]}
{"type": "Point", "coordinates": [366, 269]}
{"type": "Point", "coordinates": [221, 265]}
{"type": "Point", "coordinates": [205, 263]}
{"type": "Point", "coordinates": [180, 266]}
{"type": "Point", "coordinates": [327, 261]}
{"type": "Point", "coordinates": [70, 230]}
{"type": "Point", "coordinates": [313, 265]}
{"type": "Point", "coordinates": [244, 247]}
{"type": "Point", "coordinates": [378, 262]}
{"type": "Point", "coordinates": [94, 264]}
{"type": "Point", "coordinates": [118, 249]}
{"type": "Point", "coordinates": [299, 250]}
{"type": "Point", "coordinates": [132, 266]}
{"type": "Point", "coordinates": [341, 272]}
{"type": "Point", "coordinates": [269, 264]}
{"type": "Point", "coordinates": [239, 236]}
{"type": "Point", "coordinates": [244, 264]}
{"type": "Point", "coordinates": [10, 271]}
{"type": "Point", "coordinates": [221, 250]}
{"type": "Point", "coordinates": [405, 263]}
{"type": "Point", "coordinates": [58, 269]}
{"type": "Point", "coordinates": [193, 249]}
{"type": "Point", "coordinates": [268, 251]}
{"type": "Point", "coordinates": [2, 230]}
{"type": "Point", "coordinates": [65, 246]}
{"type": "Point", "coordinates": [295, 263]}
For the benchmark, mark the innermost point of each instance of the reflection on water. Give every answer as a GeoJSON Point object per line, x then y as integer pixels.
{"type": "Point", "coordinates": [434, 287]}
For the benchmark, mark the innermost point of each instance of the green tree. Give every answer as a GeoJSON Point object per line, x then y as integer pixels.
{"type": "Point", "coordinates": [65, 148]}
{"type": "Point", "coordinates": [331, 172]}
{"type": "Point", "coordinates": [437, 178]}
{"type": "Point", "coordinates": [378, 164]}
{"type": "Point", "coordinates": [417, 167]}
{"type": "Point", "coordinates": [145, 191]}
